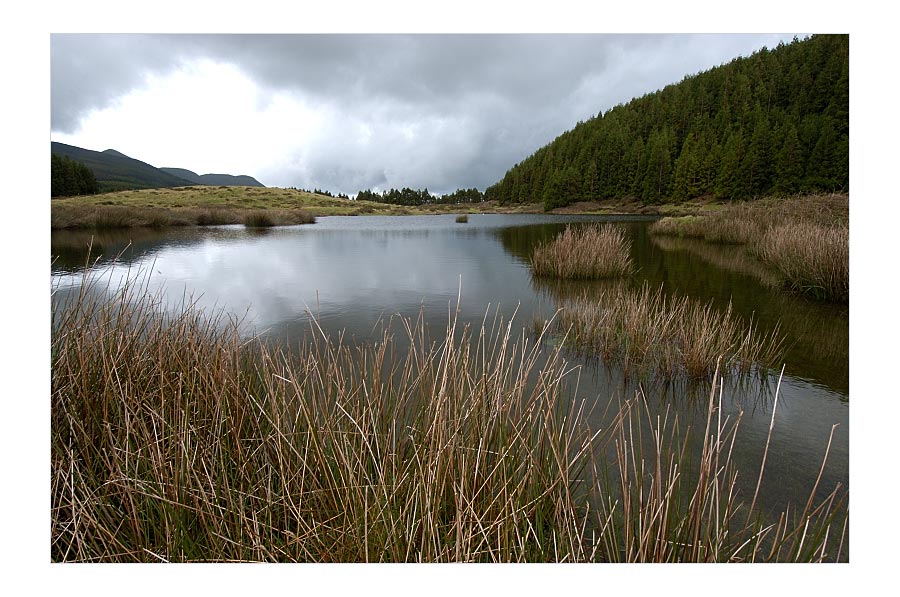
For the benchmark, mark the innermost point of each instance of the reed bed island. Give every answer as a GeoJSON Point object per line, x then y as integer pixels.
{"type": "Point", "coordinates": [647, 333]}
{"type": "Point", "coordinates": [584, 252]}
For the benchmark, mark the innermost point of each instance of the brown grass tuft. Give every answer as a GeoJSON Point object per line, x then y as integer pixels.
{"type": "Point", "coordinates": [583, 252]}
{"type": "Point", "coordinates": [813, 259]}
{"type": "Point", "coordinates": [646, 332]}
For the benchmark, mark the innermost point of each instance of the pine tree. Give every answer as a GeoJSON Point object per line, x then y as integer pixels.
{"type": "Point", "coordinates": [755, 175]}
{"type": "Point", "coordinates": [789, 163]}
{"type": "Point", "coordinates": [728, 185]}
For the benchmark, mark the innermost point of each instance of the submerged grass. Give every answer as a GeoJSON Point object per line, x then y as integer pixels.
{"type": "Point", "coordinates": [806, 239]}
{"type": "Point", "coordinates": [647, 332]}
{"type": "Point", "coordinates": [672, 508]}
{"type": "Point", "coordinates": [584, 252]}
{"type": "Point", "coordinates": [175, 438]}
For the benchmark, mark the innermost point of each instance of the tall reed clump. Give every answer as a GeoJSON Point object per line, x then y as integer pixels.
{"type": "Point", "coordinates": [174, 438]}
{"type": "Point", "coordinates": [805, 239]}
{"type": "Point", "coordinates": [583, 252]}
{"type": "Point", "coordinates": [647, 332]}
{"type": "Point", "coordinates": [258, 219]}
{"type": "Point", "coordinates": [813, 259]}
{"type": "Point", "coordinates": [265, 218]}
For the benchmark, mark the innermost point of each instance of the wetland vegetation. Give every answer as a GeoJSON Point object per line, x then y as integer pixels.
{"type": "Point", "coordinates": [647, 332]}
{"type": "Point", "coordinates": [584, 252]}
{"type": "Point", "coordinates": [175, 438]}
{"type": "Point", "coordinates": [804, 239]}
{"type": "Point", "coordinates": [364, 389]}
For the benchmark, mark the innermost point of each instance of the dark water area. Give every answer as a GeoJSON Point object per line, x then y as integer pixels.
{"type": "Point", "coordinates": [354, 273]}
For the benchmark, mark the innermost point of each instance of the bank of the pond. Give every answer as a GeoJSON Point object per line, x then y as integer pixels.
{"type": "Point", "coordinates": [174, 438]}
{"type": "Point", "coordinates": [205, 205]}
{"type": "Point", "coordinates": [805, 239]}
{"type": "Point", "coordinates": [70, 216]}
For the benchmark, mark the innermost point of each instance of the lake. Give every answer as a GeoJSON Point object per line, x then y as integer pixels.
{"type": "Point", "coordinates": [351, 273]}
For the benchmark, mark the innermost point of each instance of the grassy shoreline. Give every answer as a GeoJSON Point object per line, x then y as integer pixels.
{"type": "Point", "coordinates": [199, 205]}
{"type": "Point", "coordinates": [175, 438]}
{"type": "Point", "coordinates": [805, 240]}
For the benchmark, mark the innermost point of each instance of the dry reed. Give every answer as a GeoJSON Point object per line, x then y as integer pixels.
{"type": "Point", "coordinates": [672, 508]}
{"type": "Point", "coordinates": [584, 252]}
{"type": "Point", "coordinates": [805, 239]}
{"type": "Point", "coordinates": [175, 438]}
{"type": "Point", "coordinates": [813, 259]}
{"type": "Point", "coordinates": [647, 332]}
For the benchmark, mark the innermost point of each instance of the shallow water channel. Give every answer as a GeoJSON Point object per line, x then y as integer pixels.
{"type": "Point", "coordinates": [352, 272]}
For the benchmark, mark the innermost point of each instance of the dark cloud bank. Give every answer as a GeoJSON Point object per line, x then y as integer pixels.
{"type": "Point", "coordinates": [442, 111]}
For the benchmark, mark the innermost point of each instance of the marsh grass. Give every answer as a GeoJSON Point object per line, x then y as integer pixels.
{"type": "Point", "coordinates": [805, 239]}
{"type": "Point", "coordinates": [258, 219]}
{"type": "Point", "coordinates": [646, 333]}
{"type": "Point", "coordinates": [672, 507]}
{"type": "Point", "coordinates": [680, 226]}
{"type": "Point", "coordinates": [813, 259]}
{"type": "Point", "coordinates": [175, 437]}
{"type": "Point", "coordinates": [104, 216]}
{"type": "Point", "coordinates": [729, 226]}
{"type": "Point", "coordinates": [584, 252]}
{"type": "Point", "coordinates": [265, 218]}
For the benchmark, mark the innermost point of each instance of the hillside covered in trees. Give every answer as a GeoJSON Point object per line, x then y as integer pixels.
{"type": "Point", "coordinates": [69, 178]}
{"type": "Point", "coordinates": [776, 122]}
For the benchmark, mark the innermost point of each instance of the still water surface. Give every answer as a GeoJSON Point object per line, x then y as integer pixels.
{"type": "Point", "coordinates": [352, 272]}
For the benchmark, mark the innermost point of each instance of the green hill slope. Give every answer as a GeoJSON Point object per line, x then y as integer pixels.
{"type": "Point", "coordinates": [116, 171]}
{"type": "Point", "coordinates": [214, 179]}
{"type": "Point", "coordinates": [776, 122]}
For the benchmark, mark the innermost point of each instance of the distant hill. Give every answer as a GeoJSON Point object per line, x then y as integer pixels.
{"type": "Point", "coordinates": [116, 171]}
{"type": "Point", "coordinates": [214, 179]}
{"type": "Point", "coordinates": [776, 122]}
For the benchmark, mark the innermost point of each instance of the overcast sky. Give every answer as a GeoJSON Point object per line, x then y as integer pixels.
{"type": "Point", "coordinates": [351, 112]}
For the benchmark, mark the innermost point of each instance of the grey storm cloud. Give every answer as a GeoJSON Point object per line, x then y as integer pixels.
{"type": "Point", "coordinates": [442, 111]}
